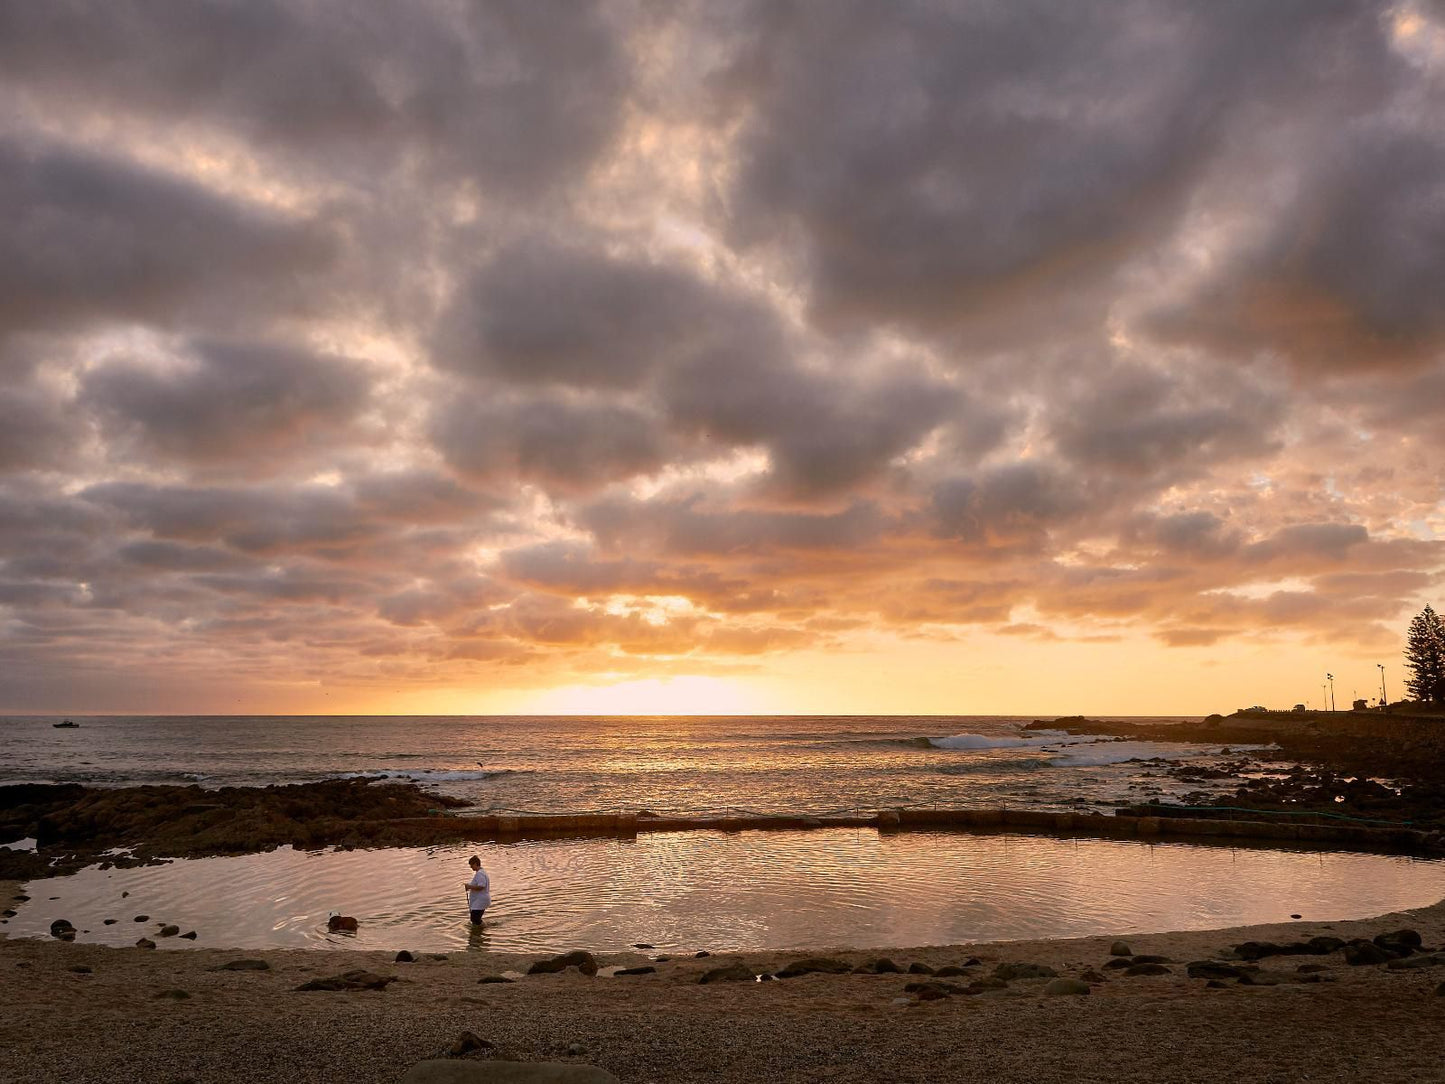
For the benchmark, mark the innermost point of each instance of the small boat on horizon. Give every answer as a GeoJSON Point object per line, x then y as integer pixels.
{"type": "Point", "coordinates": [67, 725]}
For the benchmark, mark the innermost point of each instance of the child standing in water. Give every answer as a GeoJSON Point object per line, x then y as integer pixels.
{"type": "Point", "coordinates": [479, 890]}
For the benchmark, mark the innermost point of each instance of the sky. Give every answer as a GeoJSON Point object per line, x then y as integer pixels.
{"type": "Point", "coordinates": [834, 357]}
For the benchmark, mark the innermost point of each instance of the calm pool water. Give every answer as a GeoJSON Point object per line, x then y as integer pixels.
{"type": "Point", "coordinates": [686, 891]}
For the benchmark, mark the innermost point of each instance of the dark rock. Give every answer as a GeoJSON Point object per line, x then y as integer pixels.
{"type": "Point", "coordinates": [883, 966]}
{"type": "Point", "coordinates": [243, 965]}
{"type": "Point", "coordinates": [1120, 948]}
{"type": "Point", "coordinates": [145, 942]}
{"type": "Point", "coordinates": [489, 980]}
{"type": "Point", "coordinates": [1213, 969]}
{"type": "Point", "coordinates": [645, 969]}
{"type": "Point", "coordinates": [948, 971]}
{"type": "Point", "coordinates": [468, 1043]}
{"type": "Point", "coordinates": [22, 898]}
{"type": "Point", "coordinates": [189, 935]}
{"type": "Point", "coordinates": [341, 924]}
{"type": "Point", "coordinates": [919, 969]}
{"type": "Point", "coordinates": [1147, 969]}
{"type": "Point", "coordinates": [62, 929]}
{"type": "Point", "coordinates": [642, 945]}
{"type": "Point", "coordinates": [1092, 976]}
{"type": "Point", "coordinates": [584, 962]}
{"type": "Point", "coordinates": [1324, 945]}
{"type": "Point", "coordinates": [703, 955]}
{"type": "Point", "coordinates": [1401, 942]}
{"type": "Point", "coordinates": [1152, 960]}
{"type": "Point", "coordinates": [350, 980]}
{"type": "Point", "coordinates": [174, 995]}
{"type": "Point", "coordinates": [575, 1050]}
{"type": "Point", "coordinates": [661, 959]}
{"type": "Point", "coordinates": [812, 965]}
{"type": "Point", "coordinates": [1118, 963]}
{"type": "Point", "coordinates": [973, 961]}
{"type": "Point", "coordinates": [9, 912]}
{"type": "Point", "coordinates": [404, 957]}
{"type": "Point", "coordinates": [1010, 972]}
{"type": "Point", "coordinates": [731, 973]}
{"type": "Point", "coordinates": [1257, 950]}
{"type": "Point", "coordinates": [142, 918]}
{"type": "Point", "coordinates": [1365, 953]}
{"type": "Point", "coordinates": [168, 931]}
{"type": "Point", "coordinates": [1410, 963]}
{"type": "Point", "coordinates": [930, 991]}
{"type": "Point", "coordinates": [80, 969]}
{"type": "Point", "coordinates": [1066, 987]}
{"type": "Point", "coordinates": [110, 922]}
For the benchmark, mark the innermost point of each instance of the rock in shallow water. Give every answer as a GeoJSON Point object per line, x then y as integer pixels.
{"type": "Point", "coordinates": [342, 924]}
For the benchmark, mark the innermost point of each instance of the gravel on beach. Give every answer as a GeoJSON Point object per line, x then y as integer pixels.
{"type": "Point", "coordinates": [76, 1012]}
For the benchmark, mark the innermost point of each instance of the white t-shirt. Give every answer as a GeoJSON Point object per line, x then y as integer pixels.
{"type": "Point", "coordinates": [479, 891]}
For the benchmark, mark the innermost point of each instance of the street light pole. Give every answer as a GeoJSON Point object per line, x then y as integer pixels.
{"type": "Point", "coordinates": [1384, 700]}
{"type": "Point", "coordinates": [1332, 690]}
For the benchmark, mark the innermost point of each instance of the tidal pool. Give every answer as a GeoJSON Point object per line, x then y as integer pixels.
{"type": "Point", "coordinates": [686, 891]}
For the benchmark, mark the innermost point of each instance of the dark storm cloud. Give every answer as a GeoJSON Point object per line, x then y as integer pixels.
{"type": "Point", "coordinates": [1009, 506]}
{"type": "Point", "coordinates": [237, 404]}
{"type": "Point", "coordinates": [940, 159]}
{"type": "Point", "coordinates": [87, 238]}
{"type": "Point", "coordinates": [568, 445]}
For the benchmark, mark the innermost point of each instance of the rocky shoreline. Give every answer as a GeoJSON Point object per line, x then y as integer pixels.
{"type": "Point", "coordinates": [1365, 766]}
{"type": "Point", "coordinates": [1319, 1000]}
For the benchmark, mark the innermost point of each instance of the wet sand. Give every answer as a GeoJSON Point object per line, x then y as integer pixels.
{"type": "Point", "coordinates": [115, 1023]}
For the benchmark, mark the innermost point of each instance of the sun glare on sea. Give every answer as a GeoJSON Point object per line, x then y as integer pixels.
{"type": "Point", "coordinates": [654, 696]}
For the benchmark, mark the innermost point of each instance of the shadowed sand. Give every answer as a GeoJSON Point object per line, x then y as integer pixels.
{"type": "Point", "coordinates": [116, 1023]}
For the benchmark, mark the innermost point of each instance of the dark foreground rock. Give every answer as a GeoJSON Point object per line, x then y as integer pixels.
{"type": "Point", "coordinates": [584, 962]}
{"type": "Point", "coordinates": [350, 980]}
{"type": "Point", "coordinates": [731, 973]}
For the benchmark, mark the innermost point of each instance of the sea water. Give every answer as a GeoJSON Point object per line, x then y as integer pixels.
{"type": "Point", "coordinates": [664, 764]}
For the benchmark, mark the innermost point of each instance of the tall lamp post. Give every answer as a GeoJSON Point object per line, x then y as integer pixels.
{"type": "Point", "coordinates": [1384, 700]}
{"type": "Point", "coordinates": [1331, 678]}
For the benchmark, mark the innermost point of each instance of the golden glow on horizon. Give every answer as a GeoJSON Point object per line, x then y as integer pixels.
{"type": "Point", "coordinates": [655, 696]}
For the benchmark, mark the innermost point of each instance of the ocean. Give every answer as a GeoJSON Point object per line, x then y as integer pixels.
{"type": "Point", "coordinates": [787, 764]}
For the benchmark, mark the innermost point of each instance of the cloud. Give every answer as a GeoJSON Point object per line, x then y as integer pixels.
{"type": "Point", "coordinates": [240, 406]}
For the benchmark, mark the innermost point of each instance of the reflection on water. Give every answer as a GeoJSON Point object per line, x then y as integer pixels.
{"type": "Point", "coordinates": [748, 890]}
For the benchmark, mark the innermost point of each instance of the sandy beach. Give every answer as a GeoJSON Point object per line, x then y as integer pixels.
{"type": "Point", "coordinates": [78, 1013]}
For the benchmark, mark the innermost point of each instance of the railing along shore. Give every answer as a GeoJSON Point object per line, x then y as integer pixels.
{"type": "Point", "coordinates": [1234, 825]}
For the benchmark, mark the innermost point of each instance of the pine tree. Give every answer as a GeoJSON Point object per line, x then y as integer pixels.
{"type": "Point", "coordinates": [1425, 656]}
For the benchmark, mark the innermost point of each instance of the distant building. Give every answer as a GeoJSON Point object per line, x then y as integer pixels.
{"type": "Point", "coordinates": [1300, 707]}
{"type": "Point", "coordinates": [1362, 705]}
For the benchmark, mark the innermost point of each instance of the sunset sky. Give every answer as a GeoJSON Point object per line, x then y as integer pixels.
{"type": "Point", "coordinates": [835, 357]}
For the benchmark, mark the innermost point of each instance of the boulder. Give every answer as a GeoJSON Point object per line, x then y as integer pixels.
{"type": "Point", "coordinates": [189, 935]}
{"type": "Point", "coordinates": [1365, 953]}
{"type": "Point", "coordinates": [145, 942]}
{"type": "Point", "coordinates": [168, 931]}
{"type": "Point", "coordinates": [1119, 948]}
{"type": "Point", "coordinates": [948, 971]}
{"type": "Point", "coordinates": [350, 980]}
{"type": "Point", "coordinates": [883, 966]}
{"type": "Point", "coordinates": [1213, 969]}
{"type": "Point", "coordinates": [142, 918]}
{"type": "Point", "coordinates": [1118, 963]}
{"type": "Point", "coordinates": [731, 973]}
{"type": "Point", "coordinates": [1410, 963]}
{"type": "Point", "coordinates": [1147, 969]}
{"type": "Point", "coordinates": [341, 924]}
{"type": "Point", "coordinates": [109, 922]}
{"type": "Point", "coordinates": [703, 955]}
{"type": "Point", "coordinates": [919, 969]}
{"type": "Point", "coordinates": [505, 1072]}
{"type": "Point", "coordinates": [1066, 987]}
{"type": "Point", "coordinates": [1257, 950]}
{"type": "Point", "coordinates": [584, 962]}
{"type": "Point", "coordinates": [404, 957]}
{"type": "Point", "coordinates": [468, 1042]}
{"type": "Point", "coordinates": [1010, 972]}
{"type": "Point", "coordinates": [243, 965]}
{"type": "Point", "coordinates": [813, 965]}
{"type": "Point", "coordinates": [1400, 942]}
{"type": "Point", "coordinates": [62, 929]}
{"type": "Point", "coordinates": [1152, 960]}
{"type": "Point", "coordinates": [1324, 944]}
